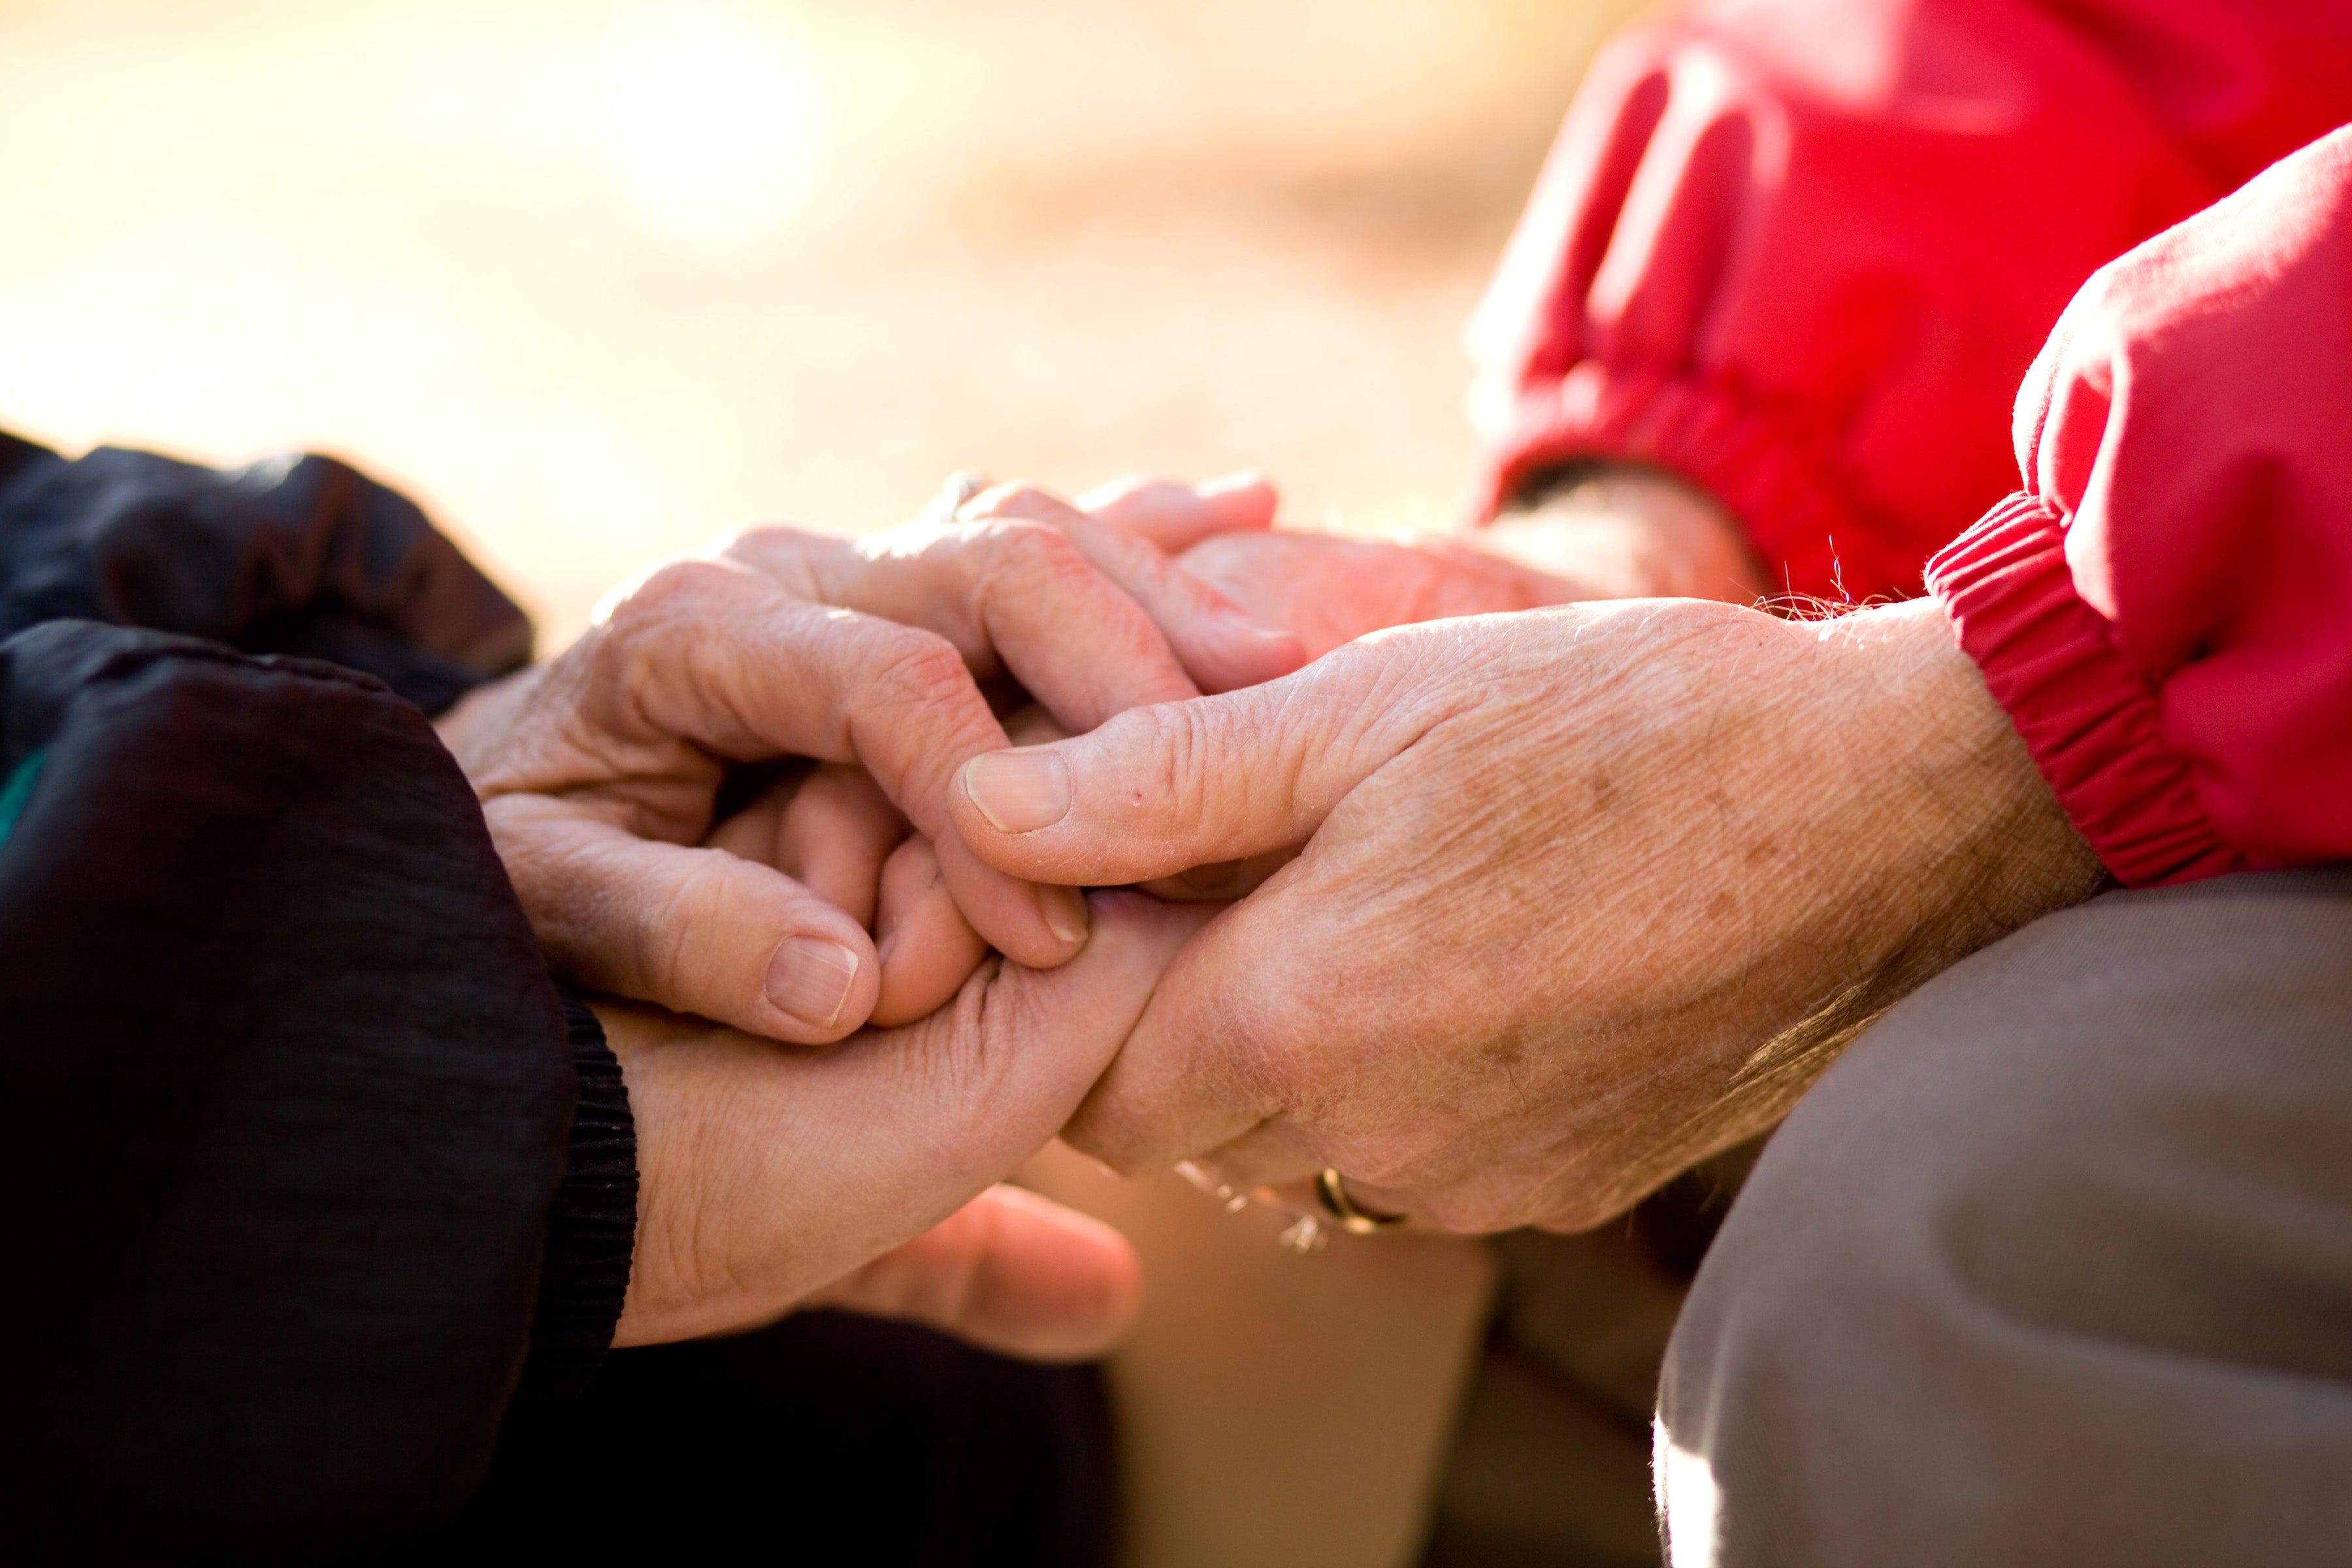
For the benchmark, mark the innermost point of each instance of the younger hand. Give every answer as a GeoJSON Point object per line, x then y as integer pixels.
{"type": "Point", "coordinates": [862, 1175]}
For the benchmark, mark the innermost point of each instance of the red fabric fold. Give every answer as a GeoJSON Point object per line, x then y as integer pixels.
{"type": "Point", "coordinates": [1801, 251]}
{"type": "Point", "coordinates": [2091, 717]}
{"type": "Point", "coordinates": [2166, 612]}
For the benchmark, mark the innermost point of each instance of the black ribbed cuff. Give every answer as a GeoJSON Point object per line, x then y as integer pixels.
{"type": "Point", "coordinates": [594, 1228]}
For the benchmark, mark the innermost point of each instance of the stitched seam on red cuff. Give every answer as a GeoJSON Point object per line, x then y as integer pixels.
{"type": "Point", "coordinates": [2092, 718]}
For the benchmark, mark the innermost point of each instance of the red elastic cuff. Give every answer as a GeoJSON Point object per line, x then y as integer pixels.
{"type": "Point", "coordinates": [1766, 469]}
{"type": "Point", "coordinates": [2091, 717]}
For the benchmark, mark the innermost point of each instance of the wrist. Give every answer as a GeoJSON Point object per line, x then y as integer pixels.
{"type": "Point", "coordinates": [1902, 826]}
{"type": "Point", "coordinates": [1622, 531]}
{"type": "Point", "coordinates": [591, 1231]}
{"type": "Point", "coordinates": [1948, 798]}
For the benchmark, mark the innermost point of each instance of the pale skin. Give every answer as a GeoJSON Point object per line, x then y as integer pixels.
{"type": "Point", "coordinates": [1580, 895]}
{"type": "Point", "coordinates": [601, 773]}
{"type": "Point", "coordinates": [862, 1175]}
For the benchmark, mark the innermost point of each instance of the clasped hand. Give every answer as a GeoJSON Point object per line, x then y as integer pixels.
{"type": "Point", "coordinates": [844, 682]}
{"type": "Point", "coordinates": [1559, 898]}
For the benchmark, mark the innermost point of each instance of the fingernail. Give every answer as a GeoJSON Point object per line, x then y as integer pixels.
{"type": "Point", "coordinates": [1065, 909]}
{"type": "Point", "coordinates": [1019, 792]}
{"type": "Point", "coordinates": [810, 978]}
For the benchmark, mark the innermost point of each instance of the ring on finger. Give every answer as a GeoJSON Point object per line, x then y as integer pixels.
{"type": "Point", "coordinates": [1331, 1191]}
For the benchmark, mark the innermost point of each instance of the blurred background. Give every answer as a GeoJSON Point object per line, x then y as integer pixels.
{"type": "Point", "coordinates": [597, 281]}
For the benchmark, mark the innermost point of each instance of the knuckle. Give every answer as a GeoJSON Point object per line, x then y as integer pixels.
{"type": "Point", "coordinates": [920, 669]}
{"type": "Point", "coordinates": [977, 1060]}
{"type": "Point", "coordinates": [1182, 740]}
{"type": "Point", "coordinates": [1030, 552]}
{"type": "Point", "coordinates": [667, 936]}
{"type": "Point", "coordinates": [1015, 498]}
{"type": "Point", "coordinates": [639, 619]}
{"type": "Point", "coordinates": [662, 590]}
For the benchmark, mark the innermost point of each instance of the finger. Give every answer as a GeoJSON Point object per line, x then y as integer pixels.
{"type": "Point", "coordinates": [1175, 517]}
{"type": "Point", "coordinates": [718, 656]}
{"type": "Point", "coordinates": [1010, 1271]}
{"type": "Point", "coordinates": [1161, 790]}
{"type": "Point", "coordinates": [1221, 649]}
{"type": "Point", "coordinates": [830, 830]}
{"type": "Point", "coordinates": [772, 1174]}
{"type": "Point", "coordinates": [929, 949]}
{"type": "Point", "coordinates": [750, 833]}
{"type": "Point", "coordinates": [1199, 1071]}
{"type": "Point", "coordinates": [699, 931]}
{"type": "Point", "coordinates": [836, 836]}
{"type": "Point", "coordinates": [1011, 594]}
{"type": "Point", "coordinates": [1033, 726]}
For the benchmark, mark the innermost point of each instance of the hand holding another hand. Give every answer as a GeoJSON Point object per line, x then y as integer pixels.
{"type": "Point", "coordinates": [600, 772]}
{"type": "Point", "coordinates": [862, 1175]}
{"type": "Point", "coordinates": [1585, 893]}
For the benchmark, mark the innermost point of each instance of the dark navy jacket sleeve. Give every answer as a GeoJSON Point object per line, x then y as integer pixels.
{"type": "Point", "coordinates": [300, 555]}
{"type": "Point", "coordinates": [314, 1171]}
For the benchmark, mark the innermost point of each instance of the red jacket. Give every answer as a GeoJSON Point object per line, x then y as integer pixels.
{"type": "Point", "coordinates": [1802, 250]}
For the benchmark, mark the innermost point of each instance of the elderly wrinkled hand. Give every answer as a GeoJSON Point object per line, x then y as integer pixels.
{"type": "Point", "coordinates": [1582, 894]}
{"type": "Point", "coordinates": [862, 1175]}
{"type": "Point", "coordinates": [601, 773]}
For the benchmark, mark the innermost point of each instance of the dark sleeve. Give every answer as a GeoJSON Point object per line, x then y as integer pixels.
{"type": "Point", "coordinates": [291, 1107]}
{"type": "Point", "coordinates": [295, 556]}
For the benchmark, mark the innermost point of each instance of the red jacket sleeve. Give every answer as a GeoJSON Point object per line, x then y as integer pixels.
{"type": "Point", "coordinates": [2166, 609]}
{"type": "Point", "coordinates": [1802, 250]}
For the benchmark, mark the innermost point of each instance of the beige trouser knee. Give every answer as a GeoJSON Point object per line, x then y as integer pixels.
{"type": "Point", "coordinates": [2054, 1267]}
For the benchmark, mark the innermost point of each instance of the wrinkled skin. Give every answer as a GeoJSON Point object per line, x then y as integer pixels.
{"type": "Point", "coordinates": [1582, 894]}
{"type": "Point", "coordinates": [600, 771]}
{"type": "Point", "coordinates": [774, 1178]}
{"type": "Point", "coordinates": [862, 1176]}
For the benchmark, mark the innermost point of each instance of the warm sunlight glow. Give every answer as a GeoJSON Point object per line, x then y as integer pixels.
{"type": "Point", "coordinates": [714, 124]}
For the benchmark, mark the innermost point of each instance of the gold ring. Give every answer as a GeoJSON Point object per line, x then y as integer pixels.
{"type": "Point", "coordinates": [1331, 1191]}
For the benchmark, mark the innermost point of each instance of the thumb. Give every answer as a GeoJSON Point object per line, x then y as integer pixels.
{"type": "Point", "coordinates": [1011, 1272]}
{"type": "Point", "coordinates": [1160, 790]}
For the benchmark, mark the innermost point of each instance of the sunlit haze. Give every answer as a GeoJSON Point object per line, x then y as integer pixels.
{"type": "Point", "coordinates": [597, 281]}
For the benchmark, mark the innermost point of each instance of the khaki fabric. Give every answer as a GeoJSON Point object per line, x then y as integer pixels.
{"type": "Point", "coordinates": [2053, 1267]}
{"type": "Point", "coordinates": [1550, 1464]}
